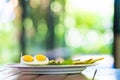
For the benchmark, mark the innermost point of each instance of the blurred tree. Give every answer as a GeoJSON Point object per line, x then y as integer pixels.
{"type": "Point", "coordinates": [50, 24]}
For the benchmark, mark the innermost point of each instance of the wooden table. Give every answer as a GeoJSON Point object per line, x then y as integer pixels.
{"type": "Point", "coordinates": [87, 74]}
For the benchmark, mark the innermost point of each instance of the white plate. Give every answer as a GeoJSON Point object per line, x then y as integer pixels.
{"type": "Point", "coordinates": [50, 69]}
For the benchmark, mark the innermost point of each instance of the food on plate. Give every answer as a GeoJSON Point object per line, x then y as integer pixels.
{"type": "Point", "coordinates": [58, 60]}
{"type": "Point", "coordinates": [74, 62]}
{"type": "Point", "coordinates": [38, 59]}
{"type": "Point", "coordinates": [28, 58]}
{"type": "Point", "coordinates": [41, 59]}
{"type": "Point", "coordinates": [88, 61]}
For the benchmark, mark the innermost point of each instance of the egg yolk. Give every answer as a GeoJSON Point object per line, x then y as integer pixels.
{"type": "Point", "coordinates": [40, 57]}
{"type": "Point", "coordinates": [28, 58]}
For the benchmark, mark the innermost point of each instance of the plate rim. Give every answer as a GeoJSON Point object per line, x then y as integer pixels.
{"type": "Point", "coordinates": [18, 65]}
{"type": "Point", "coordinates": [50, 69]}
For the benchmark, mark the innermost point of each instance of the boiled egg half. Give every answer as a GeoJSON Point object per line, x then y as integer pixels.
{"type": "Point", "coordinates": [38, 59]}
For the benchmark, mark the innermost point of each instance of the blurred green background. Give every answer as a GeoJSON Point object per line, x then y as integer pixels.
{"type": "Point", "coordinates": [40, 26]}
